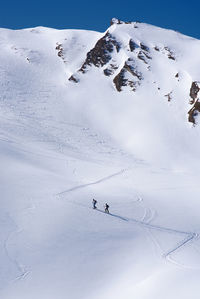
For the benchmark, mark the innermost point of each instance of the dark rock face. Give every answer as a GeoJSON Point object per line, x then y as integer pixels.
{"type": "Point", "coordinates": [194, 91]}
{"type": "Point", "coordinates": [59, 48]}
{"type": "Point", "coordinates": [169, 96]}
{"type": "Point", "coordinates": [143, 47]}
{"type": "Point", "coordinates": [119, 80]}
{"type": "Point", "coordinates": [132, 45]}
{"type": "Point", "coordinates": [147, 55]}
{"type": "Point", "coordinates": [166, 50]}
{"type": "Point", "coordinates": [170, 53]}
{"type": "Point", "coordinates": [110, 69]}
{"type": "Point", "coordinates": [142, 57]}
{"type": "Point", "coordinates": [157, 49]}
{"type": "Point", "coordinates": [101, 53]}
{"type": "Point", "coordinates": [122, 79]}
{"type": "Point", "coordinates": [194, 112]}
{"type": "Point", "coordinates": [196, 104]}
{"type": "Point", "coordinates": [74, 79]}
{"type": "Point", "coordinates": [144, 53]}
{"type": "Point", "coordinates": [104, 55]}
{"type": "Point", "coordinates": [108, 72]}
{"type": "Point", "coordinates": [130, 67]}
{"type": "Point", "coordinates": [177, 76]}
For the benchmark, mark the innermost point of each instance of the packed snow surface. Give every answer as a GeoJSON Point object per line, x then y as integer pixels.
{"type": "Point", "coordinates": [64, 143]}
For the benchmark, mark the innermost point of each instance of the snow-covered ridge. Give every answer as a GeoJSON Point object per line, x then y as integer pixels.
{"type": "Point", "coordinates": [131, 52]}
{"type": "Point", "coordinates": [156, 68]}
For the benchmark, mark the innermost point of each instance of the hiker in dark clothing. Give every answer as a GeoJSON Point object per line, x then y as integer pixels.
{"type": "Point", "coordinates": [107, 208]}
{"type": "Point", "coordinates": [94, 201]}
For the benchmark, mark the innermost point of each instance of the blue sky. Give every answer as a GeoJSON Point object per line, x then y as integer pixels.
{"type": "Point", "coordinates": [179, 15]}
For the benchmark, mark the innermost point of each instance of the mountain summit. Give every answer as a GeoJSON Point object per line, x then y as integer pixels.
{"type": "Point", "coordinates": [132, 54]}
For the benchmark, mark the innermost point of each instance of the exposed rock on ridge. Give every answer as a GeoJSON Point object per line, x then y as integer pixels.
{"type": "Point", "coordinates": [101, 53]}
{"type": "Point", "coordinates": [122, 79]}
{"type": "Point", "coordinates": [117, 21]}
{"type": "Point", "coordinates": [194, 91]}
{"type": "Point", "coordinates": [194, 111]}
{"type": "Point", "coordinates": [127, 59]}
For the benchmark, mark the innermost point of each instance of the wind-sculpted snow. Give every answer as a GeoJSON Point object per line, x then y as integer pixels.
{"type": "Point", "coordinates": [119, 132]}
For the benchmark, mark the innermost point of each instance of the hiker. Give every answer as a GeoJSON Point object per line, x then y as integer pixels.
{"type": "Point", "coordinates": [94, 201]}
{"type": "Point", "coordinates": [106, 208]}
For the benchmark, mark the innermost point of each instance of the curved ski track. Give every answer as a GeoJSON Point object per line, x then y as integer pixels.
{"type": "Point", "coordinates": [20, 267]}
{"type": "Point", "coordinates": [189, 236]}
{"type": "Point", "coordinates": [93, 183]}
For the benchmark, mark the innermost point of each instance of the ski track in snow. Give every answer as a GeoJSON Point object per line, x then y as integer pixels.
{"type": "Point", "coordinates": [190, 236]}
{"type": "Point", "coordinates": [23, 272]}
{"type": "Point", "coordinates": [149, 213]}
{"type": "Point", "coordinates": [148, 216]}
{"type": "Point", "coordinates": [21, 268]}
{"type": "Point", "coordinates": [93, 183]}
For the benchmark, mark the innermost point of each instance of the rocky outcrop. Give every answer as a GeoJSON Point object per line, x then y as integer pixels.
{"type": "Point", "coordinates": [170, 53]}
{"type": "Point", "coordinates": [117, 21]}
{"type": "Point", "coordinates": [110, 70]}
{"type": "Point", "coordinates": [131, 68]}
{"type": "Point", "coordinates": [74, 79]}
{"type": "Point", "coordinates": [195, 87]}
{"type": "Point", "coordinates": [109, 55]}
{"type": "Point", "coordinates": [157, 49]}
{"type": "Point", "coordinates": [101, 53]}
{"type": "Point", "coordinates": [142, 57]}
{"type": "Point", "coordinates": [128, 76]}
{"type": "Point", "coordinates": [143, 47]}
{"type": "Point", "coordinates": [194, 111]}
{"type": "Point", "coordinates": [133, 45]}
{"type": "Point", "coordinates": [169, 96]}
{"type": "Point", "coordinates": [59, 48]}
{"type": "Point", "coordinates": [144, 53]}
{"type": "Point", "coordinates": [167, 51]}
{"type": "Point", "coordinates": [120, 80]}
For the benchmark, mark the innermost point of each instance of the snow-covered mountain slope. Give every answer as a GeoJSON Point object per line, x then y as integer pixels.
{"type": "Point", "coordinates": [111, 116]}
